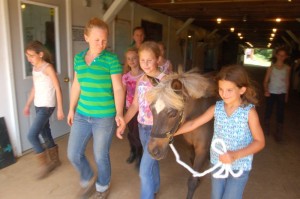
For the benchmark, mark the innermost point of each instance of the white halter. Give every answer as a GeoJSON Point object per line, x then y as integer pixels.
{"type": "Point", "coordinates": [222, 173]}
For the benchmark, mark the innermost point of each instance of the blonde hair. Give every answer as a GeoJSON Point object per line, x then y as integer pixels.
{"type": "Point", "coordinates": [126, 67]}
{"type": "Point", "coordinates": [194, 85]}
{"type": "Point", "coordinates": [239, 76]}
{"type": "Point", "coordinates": [150, 46]}
{"type": "Point", "coordinates": [95, 23]}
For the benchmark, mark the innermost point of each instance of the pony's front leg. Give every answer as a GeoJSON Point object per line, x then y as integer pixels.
{"type": "Point", "coordinates": [200, 158]}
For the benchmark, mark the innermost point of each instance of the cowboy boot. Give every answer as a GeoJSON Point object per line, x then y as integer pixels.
{"type": "Point", "coordinates": [132, 156]}
{"type": "Point", "coordinates": [54, 156]}
{"type": "Point", "coordinates": [45, 166]}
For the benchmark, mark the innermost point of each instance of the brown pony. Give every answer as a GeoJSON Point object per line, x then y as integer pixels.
{"type": "Point", "coordinates": [174, 100]}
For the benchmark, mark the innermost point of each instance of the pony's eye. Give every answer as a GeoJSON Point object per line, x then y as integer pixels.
{"type": "Point", "coordinates": [172, 113]}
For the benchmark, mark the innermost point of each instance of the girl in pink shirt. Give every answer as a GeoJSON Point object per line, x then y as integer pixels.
{"type": "Point", "coordinates": [149, 55]}
{"type": "Point", "coordinates": [129, 80]}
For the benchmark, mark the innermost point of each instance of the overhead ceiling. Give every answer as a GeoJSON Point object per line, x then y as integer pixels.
{"type": "Point", "coordinates": [254, 19]}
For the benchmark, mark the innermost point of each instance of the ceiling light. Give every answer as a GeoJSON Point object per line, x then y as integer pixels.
{"type": "Point", "coordinates": [239, 34]}
{"type": "Point", "coordinates": [189, 36]}
{"type": "Point", "coordinates": [23, 6]}
{"type": "Point", "coordinates": [271, 38]}
{"type": "Point", "coordinates": [241, 37]}
{"type": "Point", "coordinates": [274, 29]}
{"type": "Point", "coordinates": [272, 35]}
{"type": "Point", "coordinates": [244, 18]}
{"type": "Point", "coordinates": [219, 20]}
{"type": "Point", "coordinates": [278, 20]}
{"type": "Point", "coordinates": [232, 29]}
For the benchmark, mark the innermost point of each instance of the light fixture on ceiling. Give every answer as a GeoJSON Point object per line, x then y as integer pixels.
{"type": "Point", "coordinates": [232, 29]}
{"type": "Point", "coordinates": [272, 35]}
{"type": "Point", "coordinates": [278, 20]}
{"type": "Point", "coordinates": [23, 6]}
{"type": "Point", "coordinates": [269, 45]}
{"type": "Point", "coordinates": [274, 30]}
{"type": "Point", "coordinates": [244, 18]}
{"type": "Point", "coordinates": [241, 37]}
{"type": "Point", "coordinates": [219, 20]}
{"type": "Point", "coordinates": [189, 36]}
{"type": "Point", "coordinates": [239, 34]}
{"type": "Point", "coordinates": [271, 38]}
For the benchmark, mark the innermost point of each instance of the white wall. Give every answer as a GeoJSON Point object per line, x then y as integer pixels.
{"type": "Point", "coordinates": [7, 100]}
{"type": "Point", "coordinates": [80, 16]}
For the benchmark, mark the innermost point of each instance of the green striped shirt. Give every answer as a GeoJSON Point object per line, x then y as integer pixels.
{"type": "Point", "coordinates": [96, 97]}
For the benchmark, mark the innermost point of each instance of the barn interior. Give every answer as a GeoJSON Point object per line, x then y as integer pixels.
{"type": "Point", "coordinates": [225, 30]}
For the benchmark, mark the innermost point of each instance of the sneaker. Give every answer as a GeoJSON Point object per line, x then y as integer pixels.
{"type": "Point", "coordinates": [85, 192]}
{"type": "Point", "coordinates": [100, 195]}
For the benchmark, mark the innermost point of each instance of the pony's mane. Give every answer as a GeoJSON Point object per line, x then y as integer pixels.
{"type": "Point", "coordinates": [194, 86]}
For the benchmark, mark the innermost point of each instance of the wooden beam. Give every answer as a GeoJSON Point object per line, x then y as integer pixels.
{"type": "Point", "coordinates": [223, 39]}
{"type": "Point", "coordinates": [286, 41]}
{"type": "Point", "coordinates": [293, 36]}
{"type": "Point", "coordinates": [113, 10]}
{"type": "Point", "coordinates": [186, 24]}
{"type": "Point", "coordinates": [212, 33]}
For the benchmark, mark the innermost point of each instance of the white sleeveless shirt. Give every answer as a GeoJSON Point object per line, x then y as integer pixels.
{"type": "Point", "coordinates": [277, 83]}
{"type": "Point", "coordinates": [44, 95]}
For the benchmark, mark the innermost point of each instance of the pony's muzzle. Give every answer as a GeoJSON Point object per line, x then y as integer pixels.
{"type": "Point", "coordinates": [158, 148]}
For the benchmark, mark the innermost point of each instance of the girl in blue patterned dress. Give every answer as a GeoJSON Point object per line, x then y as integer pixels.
{"type": "Point", "coordinates": [236, 122]}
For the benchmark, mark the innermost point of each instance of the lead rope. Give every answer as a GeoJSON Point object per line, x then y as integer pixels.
{"type": "Point", "coordinates": [224, 171]}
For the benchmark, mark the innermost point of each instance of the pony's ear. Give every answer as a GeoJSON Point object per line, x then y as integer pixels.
{"type": "Point", "coordinates": [176, 85]}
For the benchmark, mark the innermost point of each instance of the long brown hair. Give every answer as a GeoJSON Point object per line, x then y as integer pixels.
{"type": "Point", "coordinates": [239, 76]}
{"type": "Point", "coordinates": [38, 47]}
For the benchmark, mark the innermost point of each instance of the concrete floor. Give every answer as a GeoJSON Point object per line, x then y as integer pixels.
{"type": "Point", "coordinates": [275, 174]}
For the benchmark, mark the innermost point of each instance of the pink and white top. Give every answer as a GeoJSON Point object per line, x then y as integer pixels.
{"type": "Point", "coordinates": [145, 115]}
{"type": "Point", "coordinates": [130, 82]}
{"type": "Point", "coordinates": [165, 68]}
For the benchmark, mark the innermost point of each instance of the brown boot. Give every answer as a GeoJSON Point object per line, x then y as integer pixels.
{"type": "Point", "coordinates": [54, 156]}
{"type": "Point", "coordinates": [45, 166]}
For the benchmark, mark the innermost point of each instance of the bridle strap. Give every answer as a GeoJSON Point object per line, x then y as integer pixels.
{"type": "Point", "coordinates": [170, 134]}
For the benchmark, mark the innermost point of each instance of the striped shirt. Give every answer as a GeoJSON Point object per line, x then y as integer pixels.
{"type": "Point", "coordinates": [96, 97]}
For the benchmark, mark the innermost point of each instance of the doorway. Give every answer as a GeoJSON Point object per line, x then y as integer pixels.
{"type": "Point", "coordinates": [46, 23]}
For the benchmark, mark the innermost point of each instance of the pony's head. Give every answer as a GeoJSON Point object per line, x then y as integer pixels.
{"type": "Point", "coordinates": [168, 105]}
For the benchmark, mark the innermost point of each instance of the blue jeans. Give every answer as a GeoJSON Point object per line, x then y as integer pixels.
{"type": "Point", "coordinates": [279, 100]}
{"type": "Point", "coordinates": [102, 130]}
{"type": "Point", "coordinates": [149, 167]}
{"type": "Point", "coordinates": [41, 126]}
{"type": "Point", "coordinates": [229, 188]}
